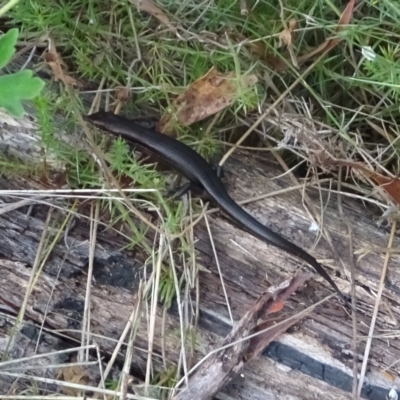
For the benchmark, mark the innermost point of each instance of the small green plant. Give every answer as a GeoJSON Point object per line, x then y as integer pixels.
{"type": "Point", "coordinates": [17, 86]}
{"type": "Point", "coordinates": [167, 290]}
{"type": "Point", "coordinates": [383, 70]}
{"type": "Point", "coordinates": [165, 378]}
{"type": "Point", "coordinates": [111, 384]}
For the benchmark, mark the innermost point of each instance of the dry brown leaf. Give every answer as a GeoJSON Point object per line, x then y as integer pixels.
{"type": "Point", "coordinates": [149, 7]}
{"type": "Point", "coordinates": [204, 97]}
{"type": "Point", "coordinates": [271, 305]}
{"type": "Point", "coordinates": [390, 185]}
{"type": "Point", "coordinates": [73, 374]}
{"type": "Point", "coordinates": [58, 66]}
{"type": "Point", "coordinates": [285, 37]}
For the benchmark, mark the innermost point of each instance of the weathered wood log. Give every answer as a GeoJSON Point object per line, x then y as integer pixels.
{"type": "Point", "coordinates": [236, 350]}
{"type": "Point", "coordinates": [313, 360]}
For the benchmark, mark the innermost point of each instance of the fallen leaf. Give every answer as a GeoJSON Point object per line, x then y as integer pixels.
{"type": "Point", "coordinates": [149, 7]}
{"type": "Point", "coordinates": [273, 304]}
{"type": "Point", "coordinates": [58, 66]}
{"type": "Point", "coordinates": [74, 374]}
{"type": "Point", "coordinates": [285, 37]}
{"type": "Point", "coordinates": [277, 306]}
{"type": "Point", "coordinates": [388, 184]}
{"type": "Point", "coordinates": [204, 97]}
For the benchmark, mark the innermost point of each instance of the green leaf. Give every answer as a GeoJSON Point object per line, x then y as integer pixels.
{"type": "Point", "coordinates": [7, 46]}
{"type": "Point", "coordinates": [17, 87]}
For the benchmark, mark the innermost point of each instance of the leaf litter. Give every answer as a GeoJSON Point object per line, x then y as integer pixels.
{"type": "Point", "coordinates": [206, 96]}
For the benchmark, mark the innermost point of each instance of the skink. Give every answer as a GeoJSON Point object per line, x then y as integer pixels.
{"type": "Point", "coordinates": [199, 171]}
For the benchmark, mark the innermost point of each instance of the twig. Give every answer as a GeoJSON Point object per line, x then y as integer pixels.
{"type": "Point", "coordinates": [221, 277]}
{"type": "Point", "coordinates": [85, 336]}
{"type": "Point", "coordinates": [243, 8]}
{"type": "Point", "coordinates": [153, 309]}
{"type": "Point", "coordinates": [376, 308]}
{"type": "Point", "coordinates": [129, 351]}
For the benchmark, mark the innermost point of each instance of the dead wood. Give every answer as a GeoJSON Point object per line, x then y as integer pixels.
{"type": "Point", "coordinates": [237, 349]}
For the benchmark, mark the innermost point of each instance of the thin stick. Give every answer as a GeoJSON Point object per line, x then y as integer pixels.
{"type": "Point", "coordinates": [221, 277]}
{"type": "Point", "coordinates": [375, 313]}
{"type": "Point", "coordinates": [85, 336]}
{"type": "Point", "coordinates": [153, 310]}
